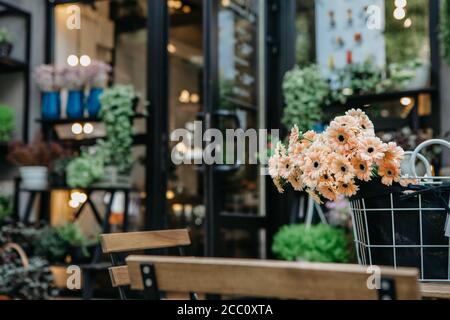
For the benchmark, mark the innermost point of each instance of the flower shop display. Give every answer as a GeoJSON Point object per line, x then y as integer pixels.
{"type": "Point", "coordinates": [316, 243]}
{"type": "Point", "coordinates": [34, 161]}
{"type": "Point", "coordinates": [332, 163]}
{"type": "Point", "coordinates": [7, 123]}
{"type": "Point", "coordinates": [5, 43]}
{"type": "Point", "coordinates": [397, 220]}
{"type": "Point", "coordinates": [97, 75]}
{"type": "Point", "coordinates": [48, 79]}
{"type": "Point", "coordinates": [74, 79]}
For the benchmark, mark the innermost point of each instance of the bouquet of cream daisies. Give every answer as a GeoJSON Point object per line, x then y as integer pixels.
{"type": "Point", "coordinates": [329, 164]}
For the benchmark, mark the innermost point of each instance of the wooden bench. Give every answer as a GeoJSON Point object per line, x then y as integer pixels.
{"type": "Point", "coordinates": [267, 279]}
{"type": "Point", "coordinates": [116, 243]}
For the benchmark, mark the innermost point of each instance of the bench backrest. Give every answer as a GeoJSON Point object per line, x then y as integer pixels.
{"type": "Point", "coordinates": [268, 279]}
{"type": "Point", "coordinates": [114, 243]}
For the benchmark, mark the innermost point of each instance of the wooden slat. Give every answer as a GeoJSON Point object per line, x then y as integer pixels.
{"type": "Point", "coordinates": [435, 290]}
{"type": "Point", "coordinates": [271, 279]}
{"type": "Point", "coordinates": [131, 241]}
{"type": "Point", "coordinates": [119, 276]}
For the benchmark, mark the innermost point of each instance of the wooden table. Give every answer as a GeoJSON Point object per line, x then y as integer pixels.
{"type": "Point", "coordinates": [435, 290]}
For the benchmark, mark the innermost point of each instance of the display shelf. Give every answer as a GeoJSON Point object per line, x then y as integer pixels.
{"type": "Point", "coordinates": [12, 65]}
{"type": "Point", "coordinates": [61, 121]}
{"type": "Point", "coordinates": [368, 99]}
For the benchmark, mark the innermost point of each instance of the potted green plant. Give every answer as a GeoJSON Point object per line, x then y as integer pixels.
{"type": "Point", "coordinates": [5, 43]}
{"type": "Point", "coordinates": [117, 112]}
{"type": "Point", "coordinates": [7, 123]}
{"type": "Point", "coordinates": [316, 243]}
{"type": "Point", "coordinates": [5, 207]}
{"type": "Point", "coordinates": [34, 161]}
{"type": "Point", "coordinates": [65, 243]}
{"type": "Point", "coordinates": [83, 171]}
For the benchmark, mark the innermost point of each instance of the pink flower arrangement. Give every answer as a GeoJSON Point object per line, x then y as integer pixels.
{"type": "Point", "coordinates": [97, 74]}
{"type": "Point", "coordinates": [48, 78]}
{"type": "Point", "coordinates": [73, 78]}
{"type": "Point", "coordinates": [329, 164]}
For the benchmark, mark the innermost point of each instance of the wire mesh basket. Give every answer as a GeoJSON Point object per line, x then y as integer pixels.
{"type": "Point", "coordinates": [405, 227]}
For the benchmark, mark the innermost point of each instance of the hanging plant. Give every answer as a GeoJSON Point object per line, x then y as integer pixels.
{"type": "Point", "coordinates": [444, 29]}
{"type": "Point", "coordinates": [116, 113]}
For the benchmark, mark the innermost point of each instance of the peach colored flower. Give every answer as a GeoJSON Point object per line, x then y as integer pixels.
{"type": "Point", "coordinates": [356, 113]}
{"type": "Point", "coordinates": [371, 149]}
{"type": "Point", "coordinates": [389, 172]}
{"type": "Point", "coordinates": [278, 184]}
{"type": "Point", "coordinates": [274, 167]}
{"type": "Point", "coordinates": [342, 169]}
{"type": "Point", "coordinates": [405, 181]}
{"type": "Point", "coordinates": [314, 165]}
{"type": "Point", "coordinates": [328, 191]}
{"type": "Point", "coordinates": [347, 122]}
{"type": "Point", "coordinates": [341, 138]}
{"type": "Point", "coordinates": [326, 177]}
{"type": "Point", "coordinates": [393, 153]}
{"type": "Point", "coordinates": [285, 167]}
{"type": "Point", "coordinates": [295, 180]}
{"type": "Point", "coordinates": [348, 188]}
{"type": "Point", "coordinates": [367, 126]}
{"type": "Point", "coordinates": [314, 196]}
{"type": "Point", "coordinates": [363, 168]}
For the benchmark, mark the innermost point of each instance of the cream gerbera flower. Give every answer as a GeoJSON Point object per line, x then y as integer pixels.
{"type": "Point", "coordinates": [328, 191]}
{"type": "Point", "coordinates": [348, 188]}
{"type": "Point", "coordinates": [341, 168]}
{"type": "Point", "coordinates": [356, 113]}
{"type": "Point", "coordinates": [314, 196]}
{"type": "Point", "coordinates": [371, 149]}
{"type": "Point", "coordinates": [296, 181]}
{"type": "Point", "coordinates": [347, 122]}
{"type": "Point", "coordinates": [389, 172]}
{"type": "Point", "coordinates": [363, 168]}
{"type": "Point", "coordinates": [314, 165]}
{"type": "Point", "coordinates": [393, 153]}
{"type": "Point", "coordinates": [341, 138]}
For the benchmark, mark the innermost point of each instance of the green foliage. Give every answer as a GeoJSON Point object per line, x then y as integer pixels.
{"type": "Point", "coordinates": [31, 283]}
{"type": "Point", "coordinates": [5, 35]}
{"type": "Point", "coordinates": [54, 242]}
{"type": "Point", "coordinates": [319, 243]}
{"type": "Point", "coordinates": [7, 123]}
{"type": "Point", "coordinates": [305, 91]}
{"type": "Point", "coordinates": [5, 207]}
{"type": "Point", "coordinates": [360, 78]}
{"type": "Point", "coordinates": [50, 245]}
{"type": "Point", "coordinates": [116, 113]}
{"type": "Point", "coordinates": [444, 29]}
{"type": "Point", "coordinates": [402, 43]}
{"type": "Point", "coordinates": [85, 170]}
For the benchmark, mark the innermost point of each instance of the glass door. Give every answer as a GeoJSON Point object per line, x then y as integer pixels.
{"type": "Point", "coordinates": [234, 103]}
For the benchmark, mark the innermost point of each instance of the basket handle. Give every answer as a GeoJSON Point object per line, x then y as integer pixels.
{"type": "Point", "coordinates": [412, 161]}
{"type": "Point", "coordinates": [23, 256]}
{"type": "Point", "coordinates": [422, 158]}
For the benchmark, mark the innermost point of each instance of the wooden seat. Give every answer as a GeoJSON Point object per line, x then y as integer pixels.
{"type": "Point", "coordinates": [116, 243]}
{"type": "Point", "coordinates": [268, 279]}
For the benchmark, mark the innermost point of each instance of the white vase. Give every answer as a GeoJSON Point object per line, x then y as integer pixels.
{"type": "Point", "coordinates": [34, 177]}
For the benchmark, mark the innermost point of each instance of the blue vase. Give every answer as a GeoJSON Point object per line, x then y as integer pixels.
{"type": "Point", "coordinates": [75, 104]}
{"type": "Point", "coordinates": [93, 102]}
{"type": "Point", "coordinates": [51, 105]}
